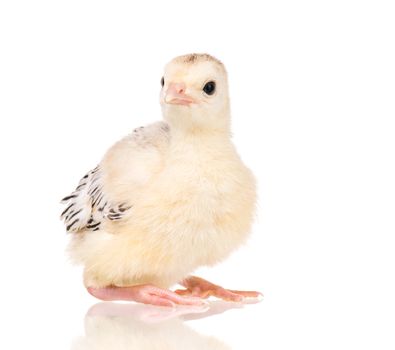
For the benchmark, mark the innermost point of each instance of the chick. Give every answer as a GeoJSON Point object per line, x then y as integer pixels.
{"type": "Point", "coordinates": [168, 198]}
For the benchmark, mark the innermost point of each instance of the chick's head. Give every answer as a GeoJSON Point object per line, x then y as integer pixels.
{"type": "Point", "coordinates": [194, 94]}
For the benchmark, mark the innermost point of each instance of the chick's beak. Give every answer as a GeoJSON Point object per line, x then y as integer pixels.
{"type": "Point", "coordinates": [175, 95]}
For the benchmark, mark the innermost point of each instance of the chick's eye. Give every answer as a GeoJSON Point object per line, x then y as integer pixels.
{"type": "Point", "coordinates": [209, 88]}
{"type": "Point", "coordinates": [162, 81]}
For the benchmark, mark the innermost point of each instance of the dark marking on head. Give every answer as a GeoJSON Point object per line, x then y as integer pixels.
{"type": "Point", "coordinates": [198, 57]}
{"type": "Point", "coordinates": [190, 58]}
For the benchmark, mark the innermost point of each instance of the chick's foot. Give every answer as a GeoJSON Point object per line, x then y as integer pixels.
{"type": "Point", "coordinates": [198, 287]}
{"type": "Point", "coordinates": [146, 294]}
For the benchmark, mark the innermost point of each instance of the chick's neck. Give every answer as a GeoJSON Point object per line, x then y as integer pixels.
{"type": "Point", "coordinates": [193, 125]}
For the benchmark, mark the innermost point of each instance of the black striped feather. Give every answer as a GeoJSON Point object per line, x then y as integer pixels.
{"type": "Point", "coordinates": [87, 208]}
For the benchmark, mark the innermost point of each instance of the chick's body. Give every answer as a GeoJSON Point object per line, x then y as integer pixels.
{"type": "Point", "coordinates": [168, 198]}
{"type": "Point", "coordinates": [193, 204]}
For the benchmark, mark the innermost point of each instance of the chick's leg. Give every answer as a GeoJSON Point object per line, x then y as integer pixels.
{"type": "Point", "coordinates": [198, 287]}
{"type": "Point", "coordinates": [146, 294]}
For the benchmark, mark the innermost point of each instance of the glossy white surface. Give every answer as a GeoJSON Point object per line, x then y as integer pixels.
{"type": "Point", "coordinates": [312, 88]}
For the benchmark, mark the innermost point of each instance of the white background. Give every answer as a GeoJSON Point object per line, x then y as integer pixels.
{"type": "Point", "coordinates": [312, 89]}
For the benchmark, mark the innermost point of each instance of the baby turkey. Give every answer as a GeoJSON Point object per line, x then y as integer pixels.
{"type": "Point", "coordinates": [169, 198]}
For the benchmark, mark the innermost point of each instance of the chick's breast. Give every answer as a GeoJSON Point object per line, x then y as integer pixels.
{"type": "Point", "coordinates": [193, 216]}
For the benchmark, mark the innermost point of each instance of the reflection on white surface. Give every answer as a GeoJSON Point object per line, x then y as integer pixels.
{"type": "Point", "coordinates": [136, 326]}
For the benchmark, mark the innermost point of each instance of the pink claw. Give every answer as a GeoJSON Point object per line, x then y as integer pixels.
{"type": "Point", "coordinates": [198, 287]}
{"type": "Point", "coordinates": [146, 294]}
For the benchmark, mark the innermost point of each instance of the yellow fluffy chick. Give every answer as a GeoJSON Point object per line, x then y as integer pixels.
{"type": "Point", "coordinates": [168, 198]}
